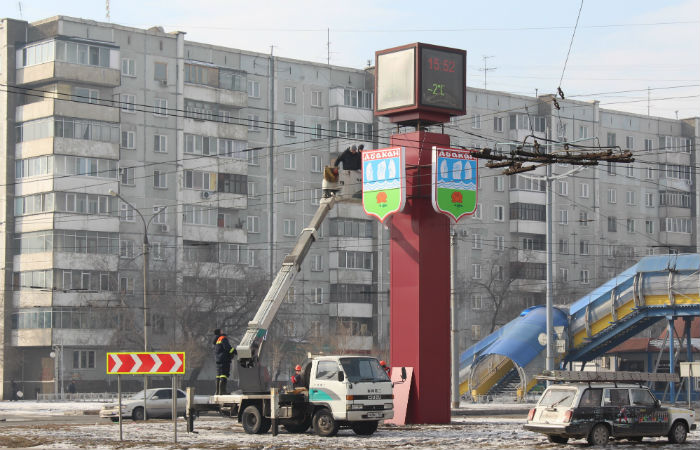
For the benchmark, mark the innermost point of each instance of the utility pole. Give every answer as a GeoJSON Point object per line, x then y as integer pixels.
{"type": "Point", "coordinates": [486, 69]}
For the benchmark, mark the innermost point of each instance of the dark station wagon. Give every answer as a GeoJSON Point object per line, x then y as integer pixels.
{"type": "Point", "coordinates": [598, 411]}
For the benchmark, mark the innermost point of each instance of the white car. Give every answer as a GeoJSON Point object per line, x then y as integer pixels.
{"type": "Point", "coordinates": [159, 402]}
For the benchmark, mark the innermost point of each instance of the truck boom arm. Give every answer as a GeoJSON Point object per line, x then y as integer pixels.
{"type": "Point", "coordinates": [251, 345]}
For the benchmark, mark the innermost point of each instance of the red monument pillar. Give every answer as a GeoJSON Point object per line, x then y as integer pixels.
{"type": "Point", "coordinates": [420, 285]}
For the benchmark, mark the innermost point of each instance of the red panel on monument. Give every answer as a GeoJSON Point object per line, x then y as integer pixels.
{"type": "Point", "coordinates": [420, 285]}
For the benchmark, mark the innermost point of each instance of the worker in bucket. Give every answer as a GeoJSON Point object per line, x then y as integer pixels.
{"type": "Point", "coordinates": [351, 158]}
{"type": "Point", "coordinates": [223, 354]}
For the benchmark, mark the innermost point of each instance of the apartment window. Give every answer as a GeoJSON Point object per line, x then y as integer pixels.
{"type": "Point", "coordinates": [252, 191]}
{"type": "Point", "coordinates": [630, 195]}
{"type": "Point", "coordinates": [290, 227]}
{"type": "Point", "coordinates": [584, 190]}
{"type": "Point", "coordinates": [476, 271]}
{"type": "Point", "coordinates": [498, 124]}
{"type": "Point", "coordinates": [318, 295]}
{"type": "Point", "coordinates": [126, 285]}
{"type": "Point", "coordinates": [253, 122]}
{"type": "Point", "coordinates": [253, 156]}
{"type": "Point", "coordinates": [649, 173]}
{"type": "Point", "coordinates": [612, 224]}
{"type": "Point", "coordinates": [477, 301]}
{"type": "Point", "coordinates": [630, 170]}
{"type": "Point", "coordinates": [290, 161]}
{"type": "Point", "coordinates": [290, 128]}
{"type": "Point", "coordinates": [160, 181]}
{"type": "Point", "coordinates": [127, 102]}
{"type": "Point", "coordinates": [612, 195]}
{"type": "Point", "coordinates": [316, 263]}
{"type": "Point", "coordinates": [126, 176]}
{"type": "Point", "coordinates": [563, 187]}
{"type": "Point", "coordinates": [498, 213]}
{"type": "Point", "coordinates": [128, 67]}
{"type": "Point", "coordinates": [126, 248]}
{"type": "Point", "coordinates": [582, 132]}
{"type": "Point", "coordinates": [648, 145]}
{"type": "Point", "coordinates": [649, 226]}
{"type": "Point", "coordinates": [477, 241]}
{"type": "Point", "coordinates": [583, 218]}
{"type": "Point", "coordinates": [528, 244]}
{"type": "Point", "coordinates": [126, 213]}
{"type": "Point", "coordinates": [563, 217]}
{"type": "Point", "coordinates": [85, 95]}
{"type": "Point", "coordinates": [584, 277]}
{"type": "Point", "coordinates": [84, 359]}
{"type": "Point", "coordinates": [128, 140]}
{"type": "Point", "coordinates": [563, 275]}
{"type": "Point", "coordinates": [317, 131]}
{"type": "Point", "coordinates": [316, 99]}
{"type": "Point", "coordinates": [476, 332]}
{"type": "Point", "coordinates": [355, 260]}
{"type": "Point", "coordinates": [316, 165]}
{"type": "Point", "coordinates": [584, 247]}
{"type": "Point", "coordinates": [289, 194]}
{"type": "Point", "coordinates": [612, 169]}
{"type": "Point", "coordinates": [500, 243]}
{"type": "Point", "coordinates": [160, 214]}
{"type": "Point", "coordinates": [476, 121]}
{"type": "Point", "coordinates": [677, 225]}
{"type": "Point", "coordinates": [253, 89]}
{"type": "Point", "coordinates": [253, 258]}
{"type": "Point", "coordinates": [498, 183]}
{"type": "Point", "coordinates": [160, 107]}
{"type": "Point", "coordinates": [612, 139]}
{"type": "Point", "coordinates": [160, 143]}
{"type": "Point", "coordinates": [629, 142]}
{"type": "Point", "coordinates": [563, 246]}
{"type": "Point", "coordinates": [648, 199]}
{"type": "Point", "coordinates": [160, 72]}
{"type": "Point", "coordinates": [316, 196]}
{"type": "Point", "coordinates": [253, 224]}
{"type": "Point", "coordinates": [630, 225]}
{"type": "Point", "coordinates": [290, 94]}
{"type": "Point", "coordinates": [315, 329]}
{"type": "Point", "coordinates": [477, 212]}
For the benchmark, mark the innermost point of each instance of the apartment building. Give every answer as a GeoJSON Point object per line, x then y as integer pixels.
{"type": "Point", "coordinates": [218, 154]}
{"type": "Point", "coordinates": [128, 147]}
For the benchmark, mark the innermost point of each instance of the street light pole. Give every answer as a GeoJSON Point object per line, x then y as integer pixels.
{"type": "Point", "coordinates": [145, 252]}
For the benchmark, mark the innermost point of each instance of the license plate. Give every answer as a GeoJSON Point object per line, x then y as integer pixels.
{"type": "Point", "coordinates": [375, 414]}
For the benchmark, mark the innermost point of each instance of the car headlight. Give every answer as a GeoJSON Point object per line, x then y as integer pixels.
{"type": "Point", "coordinates": [356, 406]}
{"type": "Point", "coordinates": [388, 406]}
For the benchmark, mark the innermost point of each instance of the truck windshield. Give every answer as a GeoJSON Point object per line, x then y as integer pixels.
{"type": "Point", "coordinates": [363, 369]}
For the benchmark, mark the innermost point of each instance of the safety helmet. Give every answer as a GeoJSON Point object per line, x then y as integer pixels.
{"type": "Point", "coordinates": [382, 363]}
{"type": "Point", "coordinates": [298, 367]}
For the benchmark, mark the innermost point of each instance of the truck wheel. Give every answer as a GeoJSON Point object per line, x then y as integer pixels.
{"type": "Point", "coordinates": [599, 435]}
{"type": "Point", "coordinates": [324, 423]}
{"type": "Point", "coordinates": [364, 428]}
{"type": "Point", "coordinates": [137, 414]}
{"type": "Point", "coordinates": [252, 420]}
{"type": "Point", "coordinates": [298, 427]}
{"type": "Point", "coordinates": [678, 433]}
{"type": "Point", "coordinates": [557, 439]}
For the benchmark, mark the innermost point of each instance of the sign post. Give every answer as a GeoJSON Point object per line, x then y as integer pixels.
{"type": "Point", "coordinates": [147, 363]}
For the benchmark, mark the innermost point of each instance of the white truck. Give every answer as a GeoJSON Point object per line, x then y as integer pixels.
{"type": "Point", "coordinates": [338, 391]}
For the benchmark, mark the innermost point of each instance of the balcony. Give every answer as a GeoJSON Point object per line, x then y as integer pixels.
{"type": "Point", "coordinates": [214, 128]}
{"type": "Point", "coordinates": [67, 108]}
{"type": "Point", "coordinates": [199, 233]}
{"type": "Point", "coordinates": [355, 343]}
{"type": "Point", "coordinates": [202, 93]}
{"type": "Point", "coordinates": [527, 226]}
{"type": "Point", "coordinates": [351, 114]}
{"type": "Point", "coordinates": [62, 71]}
{"type": "Point", "coordinates": [350, 310]}
{"type": "Point", "coordinates": [214, 199]}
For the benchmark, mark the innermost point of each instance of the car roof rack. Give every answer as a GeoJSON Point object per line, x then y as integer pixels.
{"type": "Point", "coordinates": [613, 377]}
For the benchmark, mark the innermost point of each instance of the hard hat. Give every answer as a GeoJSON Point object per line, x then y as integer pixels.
{"type": "Point", "coordinates": [298, 367]}
{"type": "Point", "coordinates": [382, 363]}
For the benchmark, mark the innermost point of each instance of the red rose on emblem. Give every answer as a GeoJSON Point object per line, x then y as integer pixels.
{"type": "Point", "coordinates": [381, 197]}
{"type": "Point", "coordinates": [456, 197]}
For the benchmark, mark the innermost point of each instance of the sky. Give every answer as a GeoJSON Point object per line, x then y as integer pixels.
{"type": "Point", "coordinates": [639, 56]}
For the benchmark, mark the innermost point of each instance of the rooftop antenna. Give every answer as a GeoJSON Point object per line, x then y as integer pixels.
{"type": "Point", "coordinates": [107, 11]}
{"type": "Point", "coordinates": [19, 5]}
{"type": "Point", "coordinates": [486, 69]}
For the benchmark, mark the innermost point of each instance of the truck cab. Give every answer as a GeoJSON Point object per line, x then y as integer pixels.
{"type": "Point", "coordinates": [354, 389]}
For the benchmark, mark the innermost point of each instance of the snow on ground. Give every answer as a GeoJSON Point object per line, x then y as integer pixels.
{"type": "Point", "coordinates": [465, 432]}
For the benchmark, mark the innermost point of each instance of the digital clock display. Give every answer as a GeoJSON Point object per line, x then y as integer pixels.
{"type": "Point", "coordinates": [442, 78]}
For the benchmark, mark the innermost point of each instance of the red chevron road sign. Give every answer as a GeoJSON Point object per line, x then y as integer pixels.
{"type": "Point", "coordinates": [145, 363]}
